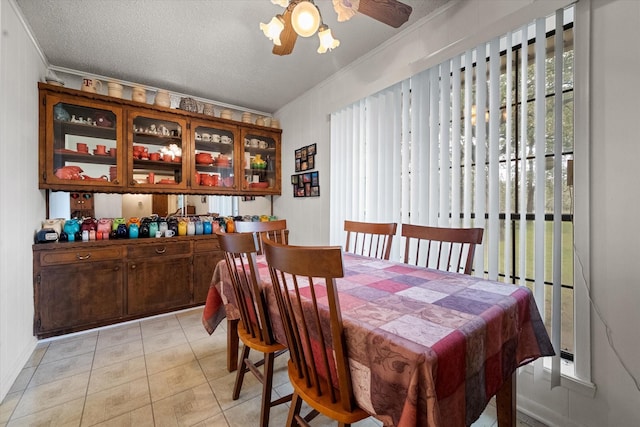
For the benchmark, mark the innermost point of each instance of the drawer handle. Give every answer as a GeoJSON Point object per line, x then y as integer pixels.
{"type": "Point", "coordinates": [116, 268]}
{"type": "Point", "coordinates": [81, 258]}
{"type": "Point", "coordinates": [161, 251]}
{"type": "Point", "coordinates": [133, 266]}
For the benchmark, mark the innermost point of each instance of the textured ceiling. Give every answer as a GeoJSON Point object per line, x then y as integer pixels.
{"type": "Point", "coordinates": [212, 49]}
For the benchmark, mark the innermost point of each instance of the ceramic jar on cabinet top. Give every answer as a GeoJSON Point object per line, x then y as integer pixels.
{"type": "Point", "coordinates": [138, 94]}
{"type": "Point", "coordinates": [162, 99]}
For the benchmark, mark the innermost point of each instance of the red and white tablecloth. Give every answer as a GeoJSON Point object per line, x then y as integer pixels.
{"type": "Point", "coordinates": [426, 347]}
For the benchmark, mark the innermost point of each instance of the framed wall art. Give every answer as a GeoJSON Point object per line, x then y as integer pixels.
{"type": "Point", "coordinates": [306, 184]}
{"type": "Point", "coordinates": [305, 158]}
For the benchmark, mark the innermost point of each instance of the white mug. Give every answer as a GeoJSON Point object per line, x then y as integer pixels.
{"type": "Point", "coordinates": [215, 137]}
{"type": "Point", "coordinates": [91, 85]}
{"type": "Point", "coordinates": [169, 233]}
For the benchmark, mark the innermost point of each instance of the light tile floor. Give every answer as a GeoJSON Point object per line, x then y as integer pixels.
{"type": "Point", "coordinates": [162, 371]}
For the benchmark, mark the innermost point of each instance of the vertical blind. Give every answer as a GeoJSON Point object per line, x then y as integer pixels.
{"type": "Point", "coordinates": [442, 148]}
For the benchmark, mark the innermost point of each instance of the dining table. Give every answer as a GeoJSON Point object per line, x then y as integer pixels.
{"type": "Point", "coordinates": [425, 347]}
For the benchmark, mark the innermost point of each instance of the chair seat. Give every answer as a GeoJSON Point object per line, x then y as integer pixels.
{"type": "Point", "coordinates": [322, 403]}
{"type": "Point", "coordinates": [255, 343]}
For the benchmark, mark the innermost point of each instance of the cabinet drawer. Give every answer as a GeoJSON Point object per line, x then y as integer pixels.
{"type": "Point", "coordinates": [80, 255]}
{"type": "Point", "coordinates": [207, 245]}
{"type": "Point", "coordinates": [160, 249]}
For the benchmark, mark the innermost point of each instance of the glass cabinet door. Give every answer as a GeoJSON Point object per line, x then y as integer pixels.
{"type": "Point", "coordinates": [156, 160]}
{"type": "Point", "coordinates": [82, 148]}
{"type": "Point", "coordinates": [214, 158]}
{"type": "Point", "coordinates": [261, 161]}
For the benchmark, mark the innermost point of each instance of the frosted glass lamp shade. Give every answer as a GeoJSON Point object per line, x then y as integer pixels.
{"type": "Point", "coordinates": [273, 29]}
{"type": "Point", "coordinates": [327, 42]}
{"type": "Point", "coordinates": [305, 18]}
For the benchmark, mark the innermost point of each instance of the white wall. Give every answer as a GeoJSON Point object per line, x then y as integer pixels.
{"type": "Point", "coordinates": [615, 243]}
{"type": "Point", "coordinates": [615, 204]}
{"type": "Point", "coordinates": [615, 66]}
{"type": "Point", "coordinates": [22, 205]}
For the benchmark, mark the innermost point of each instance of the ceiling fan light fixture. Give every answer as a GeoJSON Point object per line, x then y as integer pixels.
{"type": "Point", "coordinates": [305, 18]}
{"type": "Point", "coordinates": [327, 42]}
{"type": "Point", "coordinates": [273, 29]}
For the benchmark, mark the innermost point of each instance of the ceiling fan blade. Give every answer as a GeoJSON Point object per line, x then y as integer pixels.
{"type": "Point", "coordinates": [288, 36]}
{"type": "Point", "coordinates": [390, 12]}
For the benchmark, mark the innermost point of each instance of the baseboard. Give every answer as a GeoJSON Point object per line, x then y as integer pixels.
{"type": "Point", "coordinates": [543, 414]}
{"type": "Point", "coordinates": [10, 375]}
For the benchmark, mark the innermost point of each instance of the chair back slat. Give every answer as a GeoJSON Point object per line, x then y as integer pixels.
{"type": "Point", "coordinates": [449, 249]}
{"type": "Point", "coordinates": [303, 279]}
{"type": "Point", "coordinates": [370, 239]}
{"type": "Point", "coordinates": [272, 230]}
{"type": "Point", "coordinates": [240, 250]}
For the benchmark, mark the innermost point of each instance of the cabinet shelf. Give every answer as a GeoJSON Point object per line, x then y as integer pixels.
{"type": "Point", "coordinates": [150, 139]}
{"type": "Point", "coordinates": [214, 146]}
{"type": "Point", "coordinates": [81, 129]}
{"type": "Point", "coordinates": [69, 156]}
{"type": "Point", "coordinates": [214, 168]}
{"type": "Point", "coordinates": [260, 151]}
{"type": "Point", "coordinates": [157, 165]}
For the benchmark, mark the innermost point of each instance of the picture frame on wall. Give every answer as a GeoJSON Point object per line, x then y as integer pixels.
{"type": "Point", "coordinates": [306, 184]}
{"type": "Point", "coordinates": [305, 158]}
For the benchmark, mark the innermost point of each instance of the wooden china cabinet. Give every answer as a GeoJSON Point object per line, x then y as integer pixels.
{"type": "Point", "coordinates": [82, 285]}
{"type": "Point", "coordinates": [92, 143]}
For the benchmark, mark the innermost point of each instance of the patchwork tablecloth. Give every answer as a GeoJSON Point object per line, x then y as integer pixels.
{"type": "Point", "coordinates": [426, 347]}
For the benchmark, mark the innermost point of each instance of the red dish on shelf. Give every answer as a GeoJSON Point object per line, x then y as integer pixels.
{"type": "Point", "coordinates": [259, 185]}
{"type": "Point", "coordinates": [166, 181]}
{"type": "Point", "coordinates": [204, 159]}
{"type": "Point", "coordinates": [67, 151]}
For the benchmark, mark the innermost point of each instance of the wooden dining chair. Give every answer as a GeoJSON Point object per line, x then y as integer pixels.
{"type": "Point", "coordinates": [273, 230]}
{"type": "Point", "coordinates": [448, 249]}
{"type": "Point", "coordinates": [370, 238]}
{"type": "Point", "coordinates": [254, 328]}
{"type": "Point", "coordinates": [318, 365]}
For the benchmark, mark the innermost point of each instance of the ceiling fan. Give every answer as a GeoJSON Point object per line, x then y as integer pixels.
{"type": "Point", "coordinates": [302, 17]}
